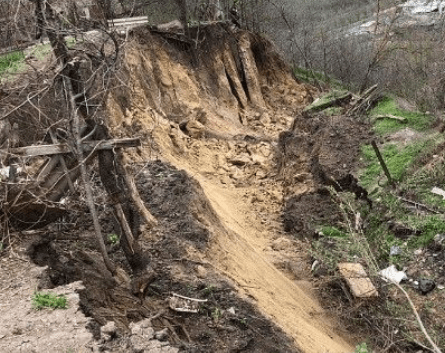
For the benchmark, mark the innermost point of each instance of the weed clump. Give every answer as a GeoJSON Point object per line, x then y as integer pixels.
{"type": "Point", "coordinates": [11, 62]}
{"type": "Point", "coordinates": [42, 300]}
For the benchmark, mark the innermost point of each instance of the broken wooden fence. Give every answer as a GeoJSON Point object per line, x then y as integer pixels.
{"type": "Point", "coordinates": [36, 203]}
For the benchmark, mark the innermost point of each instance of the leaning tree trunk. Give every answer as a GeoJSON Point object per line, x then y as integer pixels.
{"type": "Point", "coordinates": [61, 52]}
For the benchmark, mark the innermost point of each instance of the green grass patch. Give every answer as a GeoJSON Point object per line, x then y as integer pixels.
{"type": "Point", "coordinates": [382, 240]}
{"type": "Point", "coordinates": [41, 51]}
{"type": "Point", "coordinates": [333, 111]}
{"type": "Point", "coordinates": [12, 62]}
{"type": "Point", "coordinates": [42, 300]}
{"type": "Point", "coordinates": [333, 250]}
{"type": "Point", "coordinates": [430, 226]}
{"type": "Point", "coordinates": [330, 231]}
{"type": "Point", "coordinates": [311, 76]}
{"type": "Point", "coordinates": [362, 348]}
{"type": "Point", "coordinates": [415, 120]}
{"type": "Point", "coordinates": [398, 160]}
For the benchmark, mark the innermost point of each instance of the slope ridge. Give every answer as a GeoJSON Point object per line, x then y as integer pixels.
{"type": "Point", "coordinates": [217, 112]}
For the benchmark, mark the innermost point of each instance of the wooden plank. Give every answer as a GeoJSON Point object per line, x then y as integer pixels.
{"type": "Point", "coordinates": [128, 24]}
{"type": "Point", "coordinates": [389, 116]}
{"type": "Point", "coordinates": [88, 146]}
{"type": "Point", "coordinates": [357, 280]}
{"type": "Point", "coordinates": [334, 98]}
{"type": "Point", "coordinates": [128, 19]}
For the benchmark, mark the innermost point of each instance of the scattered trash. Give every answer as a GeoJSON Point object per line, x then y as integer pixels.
{"type": "Point", "coordinates": [402, 231]}
{"type": "Point", "coordinates": [162, 335]}
{"type": "Point", "coordinates": [231, 310]}
{"type": "Point", "coordinates": [4, 172]}
{"type": "Point", "coordinates": [438, 191]}
{"type": "Point", "coordinates": [392, 274]}
{"type": "Point", "coordinates": [395, 250]}
{"type": "Point", "coordinates": [314, 265]}
{"type": "Point", "coordinates": [440, 287]}
{"type": "Point", "coordinates": [183, 304]}
{"type": "Point", "coordinates": [108, 331]}
{"type": "Point", "coordinates": [418, 252]}
{"type": "Point", "coordinates": [426, 285]}
{"type": "Point", "coordinates": [357, 280]}
{"type": "Point", "coordinates": [439, 238]}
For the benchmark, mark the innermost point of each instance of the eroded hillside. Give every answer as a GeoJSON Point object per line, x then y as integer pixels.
{"type": "Point", "coordinates": [217, 114]}
{"type": "Point", "coordinates": [235, 174]}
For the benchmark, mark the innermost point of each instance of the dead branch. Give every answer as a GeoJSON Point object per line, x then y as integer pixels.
{"type": "Point", "coordinates": [191, 299]}
{"type": "Point", "coordinates": [61, 52]}
{"type": "Point", "coordinates": [363, 103]}
{"type": "Point", "coordinates": [389, 116]}
{"type": "Point", "coordinates": [125, 226]}
{"type": "Point", "coordinates": [63, 148]}
{"type": "Point", "coordinates": [417, 204]}
{"type": "Point", "coordinates": [135, 196]}
{"type": "Point", "coordinates": [63, 164]}
{"type": "Point", "coordinates": [435, 348]}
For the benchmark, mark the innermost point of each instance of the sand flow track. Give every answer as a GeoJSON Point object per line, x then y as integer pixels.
{"type": "Point", "coordinates": [217, 114]}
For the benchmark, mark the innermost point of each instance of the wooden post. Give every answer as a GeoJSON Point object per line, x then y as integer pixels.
{"type": "Point", "coordinates": [63, 164]}
{"type": "Point", "coordinates": [382, 162]}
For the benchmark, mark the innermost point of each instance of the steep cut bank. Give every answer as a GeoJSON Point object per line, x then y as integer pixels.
{"type": "Point", "coordinates": [214, 107]}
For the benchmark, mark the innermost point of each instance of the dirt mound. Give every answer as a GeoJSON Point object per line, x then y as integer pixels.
{"type": "Point", "coordinates": [216, 111]}
{"type": "Point", "coordinates": [319, 151]}
{"type": "Point", "coordinates": [224, 322]}
{"type": "Point", "coordinates": [227, 156]}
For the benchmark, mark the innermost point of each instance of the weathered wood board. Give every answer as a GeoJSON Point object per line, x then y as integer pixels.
{"type": "Point", "coordinates": [357, 280]}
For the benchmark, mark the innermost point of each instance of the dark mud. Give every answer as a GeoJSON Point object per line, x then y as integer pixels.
{"type": "Point", "coordinates": [321, 151]}
{"type": "Point", "coordinates": [225, 323]}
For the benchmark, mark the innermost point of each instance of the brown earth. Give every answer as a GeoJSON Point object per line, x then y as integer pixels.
{"type": "Point", "coordinates": [230, 167]}
{"type": "Point", "coordinates": [197, 121]}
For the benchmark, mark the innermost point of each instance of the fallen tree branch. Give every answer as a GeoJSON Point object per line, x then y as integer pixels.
{"type": "Point", "coordinates": [63, 164]}
{"type": "Point", "coordinates": [363, 102]}
{"type": "Point", "coordinates": [61, 52]}
{"type": "Point", "coordinates": [191, 299]}
{"type": "Point", "coordinates": [417, 204]}
{"type": "Point", "coordinates": [389, 116]}
{"type": "Point", "coordinates": [419, 321]}
{"type": "Point", "coordinates": [134, 194]}
{"type": "Point", "coordinates": [84, 175]}
{"type": "Point", "coordinates": [125, 226]}
{"type": "Point", "coordinates": [61, 148]}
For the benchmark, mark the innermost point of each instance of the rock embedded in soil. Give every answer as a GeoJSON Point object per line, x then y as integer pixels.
{"type": "Point", "coordinates": [426, 285]}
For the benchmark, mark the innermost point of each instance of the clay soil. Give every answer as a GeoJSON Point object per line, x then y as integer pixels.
{"type": "Point", "coordinates": [230, 168]}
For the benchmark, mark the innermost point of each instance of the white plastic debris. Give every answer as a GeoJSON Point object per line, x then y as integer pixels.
{"type": "Point", "coordinates": [4, 172]}
{"type": "Point", "coordinates": [392, 274]}
{"type": "Point", "coordinates": [395, 250]}
{"type": "Point", "coordinates": [438, 191]}
{"type": "Point", "coordinates": [439, 238]}
{"type": "Point", "coordinates": [314, 265]}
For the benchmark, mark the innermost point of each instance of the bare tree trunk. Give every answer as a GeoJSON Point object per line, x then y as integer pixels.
{"type": "Point", "coordinates": [183, 15]}
{"type": "Point", "coordinates": [61, 53]}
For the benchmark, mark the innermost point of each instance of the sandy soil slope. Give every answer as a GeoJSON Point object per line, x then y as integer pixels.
{"type": "Point", "coordinates": [221, 125]}
{"type": "Point", "coordinates": [227, 169]}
